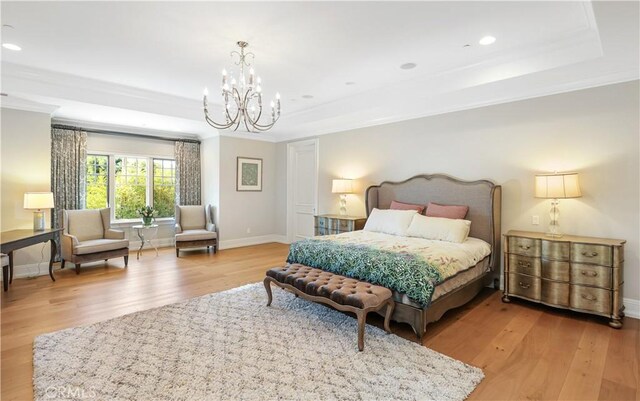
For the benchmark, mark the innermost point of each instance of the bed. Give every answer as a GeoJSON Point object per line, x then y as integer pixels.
{"type": "Point", "coordinates": [481, 263]}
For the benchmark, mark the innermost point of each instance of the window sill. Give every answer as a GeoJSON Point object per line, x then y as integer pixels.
{"type": "Point", "coordinates": [165, 221]}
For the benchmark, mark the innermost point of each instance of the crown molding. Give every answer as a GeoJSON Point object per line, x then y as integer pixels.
{"type": "Point", "coordinates": [17, 103]}
{"type": "Point", "coordinates": [122, 128]}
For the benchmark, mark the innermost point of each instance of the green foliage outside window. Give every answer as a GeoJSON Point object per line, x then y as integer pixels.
{"type": "Point", "coordinates": [164, 187]}
{"type": "Point", "coordinates": [130, 185]}
{"type": "Point", "coordinates": [97, 182]}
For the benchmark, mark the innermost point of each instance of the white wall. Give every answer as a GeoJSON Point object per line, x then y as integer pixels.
{"type": "Point", "coordinates": [594, 132]}
{"type": "Point", "coordinates": [210, 156]}
{"type": "Point", "coordinates": [241, 212]}
{"type": "Point", "coordinates": [25, 143]}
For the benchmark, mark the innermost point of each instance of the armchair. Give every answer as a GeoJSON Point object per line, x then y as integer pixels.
{"type": "Point", "coordinates": [195, 228]}
{"type": "Point", "coordinates": [87, 236]}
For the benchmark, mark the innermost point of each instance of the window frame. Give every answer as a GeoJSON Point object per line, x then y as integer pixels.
{"type": "Point", "coordinates": [111, 192]}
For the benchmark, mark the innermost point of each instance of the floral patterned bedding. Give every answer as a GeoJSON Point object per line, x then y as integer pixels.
{"type": "Point", "coordinates": [413, 266]}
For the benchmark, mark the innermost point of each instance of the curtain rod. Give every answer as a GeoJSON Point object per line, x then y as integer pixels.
{"type": "Point", "coordinates": [129, 134]}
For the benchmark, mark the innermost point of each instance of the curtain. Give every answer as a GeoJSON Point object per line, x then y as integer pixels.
{"type": "Point", "coordinates": [187, 155]}
{"type": "Point", "coordinates": [68, 170]}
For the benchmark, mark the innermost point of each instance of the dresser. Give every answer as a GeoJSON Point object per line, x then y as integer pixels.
{"type": "Point", "coordinates": [579, 273]}
{"type": "Point", "coordinates": [335, 224]}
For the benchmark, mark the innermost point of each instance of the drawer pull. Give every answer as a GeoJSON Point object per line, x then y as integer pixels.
{"type": "Point", "coordinates": [525, 247]}
{"type": "Point", "coordinates": [524, 264]}
{"type": "Point", "coordinates": [589, 297]}
{"type": "Point", "coordinates": [523, 285]}
{"type": "Point", "coordinates": [589, 274]}
{"type": "Point", "coordinates": [590, 255]}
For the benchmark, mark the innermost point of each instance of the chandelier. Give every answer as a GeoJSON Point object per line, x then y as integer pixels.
{"type": "Point", "coordinates": [242, 98]}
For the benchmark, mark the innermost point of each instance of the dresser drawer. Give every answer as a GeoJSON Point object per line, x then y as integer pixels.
{"type": "Point", "coordinates": [555, 270]}
{"type": "Point", "coordinates": [556, 250]}
{"type": "Point", "coordinates": [598, 276]}
{"type": "Point", "coordinates": [555, 293]}
{"type": "Point", "coordinates": [344, 225]}
{"type": "Point", "coordinates": [321, 222]}
{"type": "Point", "coordinates": [524, 246]}
{"type": "Point", "coordinates": [589, 253]}
{"type": "Point", "coordinates": [524, 286]}
{"type": "Point", "coordinates": [524, 265]}
{"type": "Point", "coordinates": [591, 299]}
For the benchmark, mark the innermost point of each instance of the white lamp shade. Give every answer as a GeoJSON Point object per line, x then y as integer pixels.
{"type": "Point", "coordinates": [342, 186]}
{"type": "Point", "coordinates": [557, 186]}
{"type": "Point", "coordinates": [38, 200]}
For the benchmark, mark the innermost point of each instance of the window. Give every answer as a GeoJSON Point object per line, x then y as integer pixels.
{"type": "Point", "coordinates": [97, 181]}
{"type": "Point", "coordinates": [164, 187]}
{"type": "Point", "coordinates": [130, 186]}
{"type": "Point", "coordinates": [127, 183]}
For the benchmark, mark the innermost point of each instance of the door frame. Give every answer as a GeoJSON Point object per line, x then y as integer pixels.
{"type": "Point", "coordinates": [290, 152]}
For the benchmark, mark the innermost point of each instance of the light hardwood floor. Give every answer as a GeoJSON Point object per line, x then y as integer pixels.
{"type": "Point", "coordinates": [527, 352]}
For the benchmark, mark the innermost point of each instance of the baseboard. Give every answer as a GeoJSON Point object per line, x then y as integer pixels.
{"type": "Point", "coordinates": [159, 243]}
{"type": "Point", "coordinates": [631, 307]}
{"type": "Point", "coordinates": [248, 241]}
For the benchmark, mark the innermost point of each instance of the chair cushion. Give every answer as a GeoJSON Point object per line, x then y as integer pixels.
{"type": "Point", "coordinates": [195, 235]}
{"type": "Point", "coordinates": [192, 217]}
{"type": "Point", "coordinates": [100, 245]}
{"type": "Point", "coordinates": [85, 224]}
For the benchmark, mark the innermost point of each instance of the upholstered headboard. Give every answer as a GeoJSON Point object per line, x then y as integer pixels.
{"type": "Point", "coordinates": [483, 198]}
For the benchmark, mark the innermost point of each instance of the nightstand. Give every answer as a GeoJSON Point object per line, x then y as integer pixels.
{"type": "Point", "coordinates": [584, 274]}
{"type": "Point", "coordinates": [335, 224]}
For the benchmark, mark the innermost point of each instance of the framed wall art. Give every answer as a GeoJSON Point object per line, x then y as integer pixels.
{"type": "Point", "coordinates": [249, 174]}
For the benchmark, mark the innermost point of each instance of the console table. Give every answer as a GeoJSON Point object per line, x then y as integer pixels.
{"type": "Point", "coordinates": [18, 239]}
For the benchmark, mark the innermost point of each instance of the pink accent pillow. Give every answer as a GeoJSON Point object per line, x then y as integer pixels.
{"type": "Point", "coordinates": [406, 206]}
{"type": "Point", "coordinates": [446, 211]}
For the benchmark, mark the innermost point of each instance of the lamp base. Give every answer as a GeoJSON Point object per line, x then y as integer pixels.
{"type": "Point", "coordinates": [554, 235]}
{"type": "Point", "coordinates": [343, 205]}
{"type": "Point", "coordinates": [38, 220]}
{"type": "Point", "coordinates": [554, 216]}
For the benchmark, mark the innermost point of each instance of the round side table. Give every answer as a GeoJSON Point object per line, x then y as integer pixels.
{"type": "Point", "coordinates": [142, 231]}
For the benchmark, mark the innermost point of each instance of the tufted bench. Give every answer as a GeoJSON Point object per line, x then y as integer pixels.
{"type": "Point", "coordinates": [342, 293]}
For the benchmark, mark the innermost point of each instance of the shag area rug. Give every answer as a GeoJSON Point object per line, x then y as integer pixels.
{"type": "Point", "coordinates": [230, 346]}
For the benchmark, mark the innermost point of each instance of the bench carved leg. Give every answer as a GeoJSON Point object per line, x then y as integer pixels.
{"type": "Point", "coordinates": [387, 317]}
{"type": "Point", "coordinates": [362, 319]}
{"type": "Point", "coordinates": [267, 286]}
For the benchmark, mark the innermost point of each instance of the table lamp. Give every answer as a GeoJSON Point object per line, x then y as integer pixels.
{"type": "Point", "coordinates": [37, 201]}
{"type": "Point", "coordinates": [343, 187]}
{"type": "Point", "coordinates": [556, 186]}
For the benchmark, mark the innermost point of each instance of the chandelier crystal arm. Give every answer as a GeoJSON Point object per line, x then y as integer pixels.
{"type": "Point", "coordinates": [243, 92]}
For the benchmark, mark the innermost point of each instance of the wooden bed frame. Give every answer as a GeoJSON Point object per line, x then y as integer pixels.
{"type": "Point", "coordinates": [484, 200]}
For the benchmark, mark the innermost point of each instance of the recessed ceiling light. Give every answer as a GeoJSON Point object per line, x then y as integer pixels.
{"type": "Point", "coordinates": [350, 83]}
{"type": "Point", "coordinates": [307, 96]}
{"type": "Point", "coordinates": [11, 46]}
{"type": "Point", "coordinates": [408, 66]}
{"type": "Point", "coordinates": [487, 40]}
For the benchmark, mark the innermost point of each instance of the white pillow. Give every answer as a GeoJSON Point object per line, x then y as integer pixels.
{"type": "Point", "coordinates": [438, 228]}
{"type": "Point", "coordinates": [394, 222]}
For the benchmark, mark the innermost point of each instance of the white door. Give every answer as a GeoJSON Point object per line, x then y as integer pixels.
{"type": "Point", "coordinates": [302, 188]}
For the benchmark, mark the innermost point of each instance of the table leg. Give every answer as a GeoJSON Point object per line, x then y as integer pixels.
{"type": "Point", "coordinates": [54, 251]}
{"type": "Point", "coordinates": [141, 236]}
{"type": "Point", "coordinates": [155, 235]}
{"type": "Point", "coordinates": [10, 267]}
{"type": "Point", "coordinates": [5, 277]}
